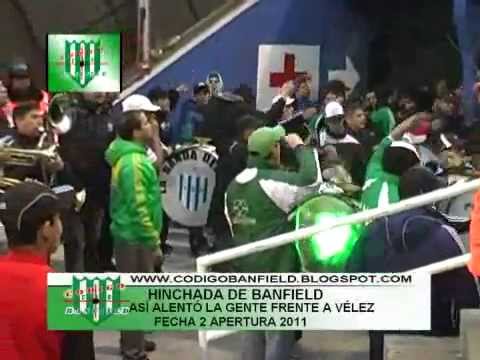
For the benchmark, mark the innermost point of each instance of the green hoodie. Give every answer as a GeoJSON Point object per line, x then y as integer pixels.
{"type": "Point", "coordinates": [135, 204]}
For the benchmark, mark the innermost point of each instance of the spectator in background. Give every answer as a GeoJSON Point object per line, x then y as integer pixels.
{"type": "Point", "coordinates": [174, 97]}
{"type": "Point", "coordinates": [406, 106]}
{"type": "Point", "coordinates": [303, 93]}
{"type": "Point", "coordinates": [188, 117]}
{"type": "Point", "coordinates": [31, 216]}
{"type": "Point", "coordinates": [229, 165]}
{"type": "Point", "coordinates": [371, 102]}
{"type": "Point", "coordinates": [21, 87]}
{"type": "Point", "coordinates": [358, 126]}
{"type": "Point", "coordinates": [160, 98]}
{"type": "Point", "coordinates": [383, 119]}
{"type": "Point", "coordinates": [335, 90]}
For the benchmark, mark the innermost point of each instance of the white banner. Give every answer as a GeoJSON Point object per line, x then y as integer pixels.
{"type": "Point", "coordinates": [307, 301]}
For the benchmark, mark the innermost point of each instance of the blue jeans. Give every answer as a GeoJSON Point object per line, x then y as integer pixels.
{"type": "Point", "coordinates": [267, 345]}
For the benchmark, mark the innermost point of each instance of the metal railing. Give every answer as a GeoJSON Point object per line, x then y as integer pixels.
{"type": "Point", "coordinates": [204, 262]}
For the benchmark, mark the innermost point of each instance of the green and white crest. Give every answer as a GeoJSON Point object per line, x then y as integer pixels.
{"type": "Point", "coordinates": [96, 299]}
{"type": "Point", "coordinates": [84, 62]}
{"type": "Point", "coordinates": [83, 59]}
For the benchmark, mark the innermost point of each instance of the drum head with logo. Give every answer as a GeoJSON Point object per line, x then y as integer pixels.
{"type": "Point", "coordinates": [189, 175]}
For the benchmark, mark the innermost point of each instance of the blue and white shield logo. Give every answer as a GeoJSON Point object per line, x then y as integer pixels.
{"type": "Point", "coordinates": [193, 191]}
{"type": "Point", "coordinates": [189, 186]}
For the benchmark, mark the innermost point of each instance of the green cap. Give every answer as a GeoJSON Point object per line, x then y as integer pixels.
{"type": "Point", "coordinates": [262, 141]}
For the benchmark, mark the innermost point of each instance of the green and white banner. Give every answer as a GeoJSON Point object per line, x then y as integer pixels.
{"type": "Point", "coordinates": [213, 301]}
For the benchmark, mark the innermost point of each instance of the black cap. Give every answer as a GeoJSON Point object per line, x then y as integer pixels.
{"type": "Point", "coordinates": [19, 70]}
{"type": "Point", "coordinates": [30, 201]}
{"type": "Point", "coordinates": [419, 180]}
{"type": "Point", "coordinates": [200, 87]}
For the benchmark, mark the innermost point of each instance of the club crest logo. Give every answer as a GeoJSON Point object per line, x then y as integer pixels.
{"type": "Point", "coordinates": [82, 60]}
{"type": "Point", "coordinates": [95, 299]}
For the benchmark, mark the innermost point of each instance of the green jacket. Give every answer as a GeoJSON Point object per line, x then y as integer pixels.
{"type": "Point", "coordinates": [383, 121]}
{"type": "Point", "coordinates": [258, 203]}
{"type": "Point", "coordinates": [135, 203]}
{"type": "Point", "coordinates": [381, 188]}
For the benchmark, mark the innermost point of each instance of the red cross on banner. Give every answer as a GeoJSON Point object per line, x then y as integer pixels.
{"type": "Point", "coordinates": [278, 79]}
{"type": "Point", "coordinates": [278, 64]}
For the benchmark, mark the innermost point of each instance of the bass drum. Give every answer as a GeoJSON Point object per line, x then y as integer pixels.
{"type": "Point", "coordinates": [459, 206]}
{"type": "Point", "coordinates": [188, 182]}
{"type": "Point", "coordinates": [327, 251]}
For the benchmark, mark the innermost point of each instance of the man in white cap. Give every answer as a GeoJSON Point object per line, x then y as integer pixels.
{"type": "Point", "coordinates": [157, 150]}
{"type": "Point", "coordinates": [331, 129]}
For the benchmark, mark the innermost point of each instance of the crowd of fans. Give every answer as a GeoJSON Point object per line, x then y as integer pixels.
{"type": "Point", "coordinates": [377, 149]}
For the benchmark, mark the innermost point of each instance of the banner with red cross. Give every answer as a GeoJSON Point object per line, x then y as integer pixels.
{"type": "Point", "coordinates": [278, 64]}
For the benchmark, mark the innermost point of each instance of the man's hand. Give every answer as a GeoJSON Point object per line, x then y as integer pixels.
{"type": "Point", "coordinates": [288, 89]}
{"type": "Point", "coordinates": [293, 140]}
{"type": "Point", "coordinates": [408, 124]}
{"type": "Point", "coordinates": [54, 165]}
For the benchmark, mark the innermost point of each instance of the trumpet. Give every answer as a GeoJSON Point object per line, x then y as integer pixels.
{"type": "Point", "coordinates": [26, 157]}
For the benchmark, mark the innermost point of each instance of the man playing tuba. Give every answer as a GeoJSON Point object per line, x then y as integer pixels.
{"type": "Point", "coordinates": [28, 152]}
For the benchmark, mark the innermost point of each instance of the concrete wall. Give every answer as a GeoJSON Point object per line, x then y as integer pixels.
{"type": "Point", "coordinates": [233, 50]}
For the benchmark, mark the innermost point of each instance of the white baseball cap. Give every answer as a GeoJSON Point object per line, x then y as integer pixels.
{"type": "Point", "coordinates": [333, 109]}
{"type": "Point", "coordinates": [138, 102]}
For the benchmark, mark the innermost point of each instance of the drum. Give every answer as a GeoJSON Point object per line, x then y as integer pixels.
{"type": "Point", "coordinates": [327, 251]}
{"type": "Point", "coordinates": [459, 206]}
{"type": "Point", "coordinates": [188, 182]}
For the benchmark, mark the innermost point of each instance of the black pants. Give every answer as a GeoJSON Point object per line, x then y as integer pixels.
{"type": "Point", "coordinates": [196, 238]}
{"type": "Point", "coordinates": [73, 238]}
{"type": "Point", "coordinates": [105, 245]}
{"type": "Point", "coordinates": [76, 345]}
{"type": "Point", "coordinates": [165, 227]}
{"type": "Point", "coordinates": [92, 215]}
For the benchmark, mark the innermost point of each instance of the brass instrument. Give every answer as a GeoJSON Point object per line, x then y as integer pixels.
{"type": "Point", "coordinates": [11, 156]}
{"type": "Point", "coordinates": [57, 118]}
{"type": "Point", "coordinates": [47, 147]}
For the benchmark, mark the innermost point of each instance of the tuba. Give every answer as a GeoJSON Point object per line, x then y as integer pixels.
{"type": "Point", "coordinates": [58, 120]}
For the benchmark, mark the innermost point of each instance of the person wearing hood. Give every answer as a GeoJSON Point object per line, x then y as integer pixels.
{"type": "Point", "coordinates": [416, 238]}
{"type": "Point", "coordinates": [135, 208]}
{"type": "Point", "coordinates": [391, 159]}
{"type": "Point", "coordinates": [383, 118]}
{"type": "Point", "coordinates": [187, 118]}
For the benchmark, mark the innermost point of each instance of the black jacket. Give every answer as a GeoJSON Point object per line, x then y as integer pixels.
{"type": "Point", "coordinates": [84, 146]}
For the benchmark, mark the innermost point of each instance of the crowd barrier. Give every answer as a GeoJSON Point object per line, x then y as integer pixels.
{"type": "Point", "coordinates": [204, 262]}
